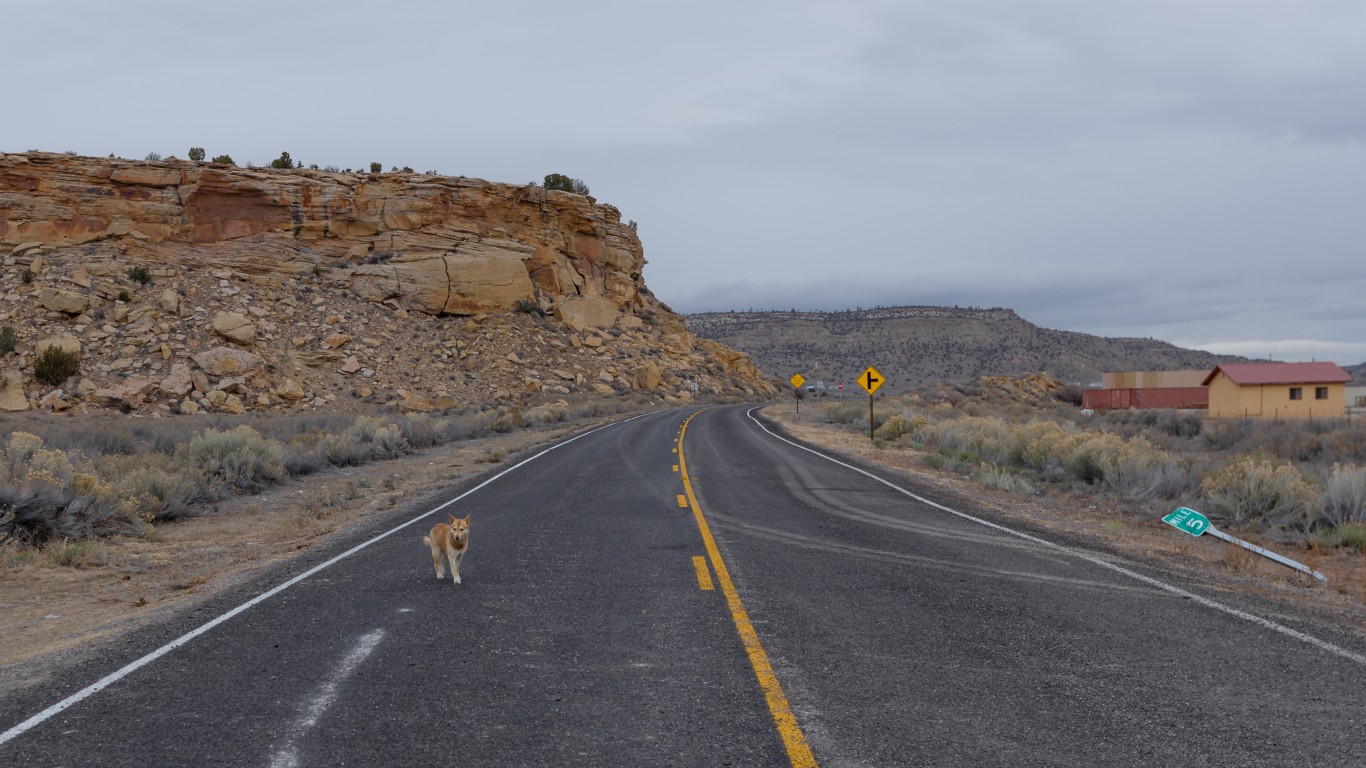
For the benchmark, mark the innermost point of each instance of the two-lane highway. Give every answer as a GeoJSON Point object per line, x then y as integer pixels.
{"type": "Point", "coordinates": [849, 624]}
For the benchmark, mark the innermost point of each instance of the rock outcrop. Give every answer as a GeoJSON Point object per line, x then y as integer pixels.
{"type": "Point", "coordinates": [196, 288]}
{"type": "Point", "coordinates": [432, 244]}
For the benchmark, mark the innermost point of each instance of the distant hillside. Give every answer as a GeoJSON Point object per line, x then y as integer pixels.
{"type": "Point", "coordinates": [1357, 372]}
{"type": "Point", "coordinates": [919, 345]}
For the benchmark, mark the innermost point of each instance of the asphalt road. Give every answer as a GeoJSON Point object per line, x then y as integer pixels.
{"type": "Point", "coordinates": [849, 623]}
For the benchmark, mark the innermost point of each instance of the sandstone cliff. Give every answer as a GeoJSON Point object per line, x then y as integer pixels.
{"type": "Point", "coordinates": [191, 286]}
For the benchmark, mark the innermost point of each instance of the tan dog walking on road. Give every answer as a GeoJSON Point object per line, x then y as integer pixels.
{"type": "Point", "coordinates": [451, 540]}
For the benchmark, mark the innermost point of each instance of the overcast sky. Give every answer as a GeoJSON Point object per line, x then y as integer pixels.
{"type": "Point", "coordinates": [1187, 170]}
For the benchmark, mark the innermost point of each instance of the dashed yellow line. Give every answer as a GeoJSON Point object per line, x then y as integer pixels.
{"type": "Point", "coordinates": [798, 751]}
{"type": "Point", "coordinates": [682, 501]}
{"type": "Point", "coordinates": [699, 564]}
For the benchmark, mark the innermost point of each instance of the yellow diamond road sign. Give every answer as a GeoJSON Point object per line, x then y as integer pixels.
{"type": "Point", "coordinates": [870, 380]}
{"type": "Point", "coordinates": [798, 380]}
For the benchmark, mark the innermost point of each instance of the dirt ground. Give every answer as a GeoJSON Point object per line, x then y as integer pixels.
{"type": "Point", "coordinates": [52, 615]}
{"type": "Point", "coordinates": [1108, 524]}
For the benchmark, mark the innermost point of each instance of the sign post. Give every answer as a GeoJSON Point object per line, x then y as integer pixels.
{"type": "Point", "coordinates": [870, 380]}
{"type": "Point", "coordinates": [797, 381]}
{"type": "Point", "coordinates": [1189, 521]}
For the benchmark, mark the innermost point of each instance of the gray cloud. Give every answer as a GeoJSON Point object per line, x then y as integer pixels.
{"type": "Point", "coordinates": [1187, 171]}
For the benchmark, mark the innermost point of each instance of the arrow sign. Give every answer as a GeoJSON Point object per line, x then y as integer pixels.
{"type": "Point", "coordinates": [870, 380]}
{"type": "Point", "coordinates": [1188, 520]}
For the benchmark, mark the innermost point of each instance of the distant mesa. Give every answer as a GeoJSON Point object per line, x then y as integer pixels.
{"type": "Point", "coordinates": [917, 345]}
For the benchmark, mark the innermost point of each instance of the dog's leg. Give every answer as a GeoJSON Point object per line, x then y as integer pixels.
{"type": "Point", "coordinates": [437, 561]}
{"type": "Point", "coordinates": [455, 557]}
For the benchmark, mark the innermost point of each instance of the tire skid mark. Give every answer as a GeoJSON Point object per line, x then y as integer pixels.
{"type": "Point", "coordinates": [729, 523]}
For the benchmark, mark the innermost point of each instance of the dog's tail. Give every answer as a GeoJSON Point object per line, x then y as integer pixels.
{"type": "Point", "coordinates": [427, 540]}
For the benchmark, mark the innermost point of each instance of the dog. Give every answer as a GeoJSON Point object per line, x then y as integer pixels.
{"type": "Point", "coordinates": [451, 540]}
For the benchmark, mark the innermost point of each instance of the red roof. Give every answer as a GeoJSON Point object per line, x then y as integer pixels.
{"type": "Point", "coordinates": [1244, 374]}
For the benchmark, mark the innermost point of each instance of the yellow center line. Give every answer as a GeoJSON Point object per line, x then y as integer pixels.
{"type": "Point", "coordinates": [798, 752]}
{"type": "Point", "coordinates": [699, 564]}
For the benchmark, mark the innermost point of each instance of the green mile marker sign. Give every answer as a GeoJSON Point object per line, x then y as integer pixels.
{"type": "Point", "coordinates": [1188, 520]}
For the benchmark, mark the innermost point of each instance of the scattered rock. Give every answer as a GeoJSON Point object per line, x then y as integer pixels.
{"type": "Point", "coordinates": [63, 341]}
{"type": "Point", "coordinates": [12, 396]}
{"type": "Point", "coordinates": [227, 361]}
{"type": "Point", "coordinates": [179, 383]}
{"type": "Point", "coordinates": [169, 301]}
{"type": "Point", "coordinates": [647, 376]}
{"type": "Point", "coordinates": [234, 326]}
{"type": "Point", "coordinates": [290, 390]}
{"type": "Point", "coordinates": [335, 340]}
{"type": "Point", "coordinates": [58, 300]}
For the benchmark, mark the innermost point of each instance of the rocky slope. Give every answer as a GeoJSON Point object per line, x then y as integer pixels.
{"type": "Point", "coordinates": [192, 286]}
{"type": "Point", "coordinates": [920, 345]}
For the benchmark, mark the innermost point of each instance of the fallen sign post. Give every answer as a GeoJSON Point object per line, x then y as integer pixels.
{"type": "Point", "coordinates": [1189, 521]}
{"type": "Point", "coordinates": [870, 380]}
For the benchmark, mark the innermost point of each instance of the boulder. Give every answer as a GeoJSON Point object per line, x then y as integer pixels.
{"type": "Point", "coordinates": [169, 301]}
{"type": "Point", "coordinates": [646, 376]}
{"type": "Point", "coordinates": [179, 383]}
{"type": "Point", "coordinates": [335, 340]}
{"type": "Point", "coordinates": [12, 396]}
{"type": "Point", "coordinates": [58, 300]}
{"type": "Point", "coordinates": [584, 312]}
{"type": "Point", "coordinates": [227, 361]}
{"type": "Point", "coordinates": [63, 341]}
{"type": "Point", "coordinates": [234, 326]}
{"type": "Point", "coordinates": [290, 390]}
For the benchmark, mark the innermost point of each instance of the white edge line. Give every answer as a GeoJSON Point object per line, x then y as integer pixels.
{"type": "Point", "coordinates": [1175, 590]}
{"type": "Point", "coordinates": [131, 667]}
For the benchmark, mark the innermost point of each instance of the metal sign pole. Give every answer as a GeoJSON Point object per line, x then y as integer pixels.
{"type": "Point", "coordinates": [1268, 554]}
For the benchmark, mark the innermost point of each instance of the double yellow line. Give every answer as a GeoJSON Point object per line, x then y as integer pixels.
{"type": "Point", "coordinates": [798, 752]}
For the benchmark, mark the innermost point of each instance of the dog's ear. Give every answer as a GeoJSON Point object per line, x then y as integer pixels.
{"type": "Point", "coordinates": [453, 517]}
{"type": "Point", "coordinates": [467, 518]}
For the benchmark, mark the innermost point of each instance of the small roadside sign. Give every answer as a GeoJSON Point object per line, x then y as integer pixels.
{"type": "Point", "coordinates": [1188, 520]}
{"type": "Point", "coordinates": [797, 380]}
{"type": "Point", "coordinates": [820, 384]}
{"type": "Point", "coordinates": [839, 385]}
{"type": "Point", "coordinates": [870, 380]}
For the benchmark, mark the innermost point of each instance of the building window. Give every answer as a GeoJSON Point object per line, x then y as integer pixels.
{"type": "Point", "coordinates": [1296, 393]}
{"type": "Point", "coordinates": [1320, 393]}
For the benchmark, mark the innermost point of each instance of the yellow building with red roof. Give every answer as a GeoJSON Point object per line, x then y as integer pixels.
{"type": "Point", "coordinates": [1277, 391]}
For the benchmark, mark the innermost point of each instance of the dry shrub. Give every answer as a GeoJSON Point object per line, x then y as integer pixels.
{"type": "Point", "coordinates": [383, 440]}
{"type": "Point", "coordinates": [1257, 491]}
{"type": "Point", "coordinates": [166, 495]}
{"type": "Point", "coordinates": [1344, 496]}
{"type": "Point", "coordinates": [900, 425]}
{"type": "Point", "coordinates": [76, 554]}
{"type": "Point", "coordinates": [986, 437]}
{"type": "Point", "coordinates": [1005, 480]}
{"type": "Point", "coordinates": [236, 459]}
{"type": "Point", "coordinates": [49, 495]}
{"type": "Point", "coordinates": [1039, 445]}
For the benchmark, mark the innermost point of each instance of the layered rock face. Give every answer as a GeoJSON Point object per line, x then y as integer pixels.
{"type": "Point", "coordinates": [432, 244]}
{"type": "Point", "coordinates": [189, 287]}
